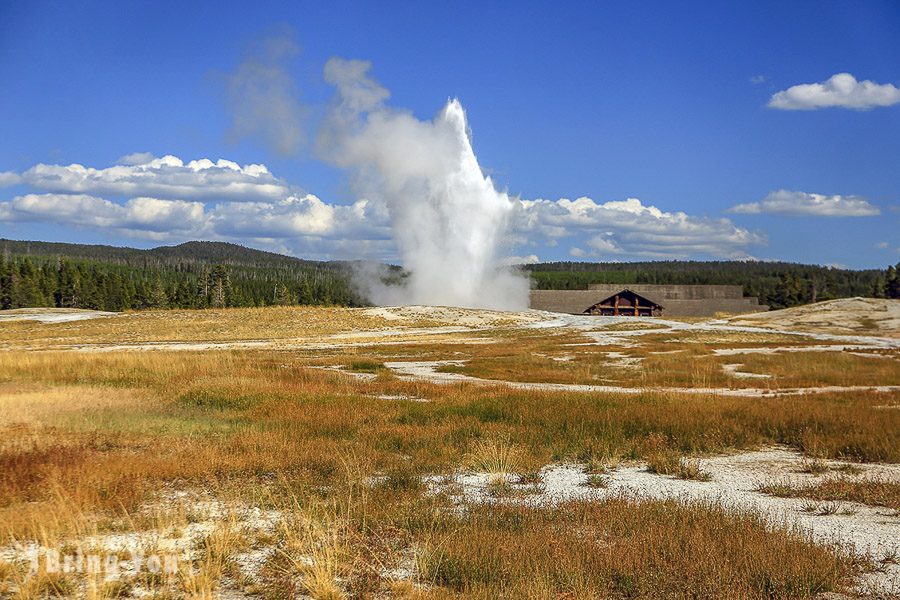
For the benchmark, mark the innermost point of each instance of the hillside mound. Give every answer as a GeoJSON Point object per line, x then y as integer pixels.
{"type": "Point", "coordinates": [856, 316]}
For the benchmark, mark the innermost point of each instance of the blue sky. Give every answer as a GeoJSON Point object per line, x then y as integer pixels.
{"type": "Point", "coordinates": [607, 101]}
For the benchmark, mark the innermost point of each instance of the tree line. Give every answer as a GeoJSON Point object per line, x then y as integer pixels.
{"type": "Point", "coordinates": [218, 274]}
{"type": "Point", "coordinates": [35, 281]}
{"type": "Point", "coordinates": [777, 284]}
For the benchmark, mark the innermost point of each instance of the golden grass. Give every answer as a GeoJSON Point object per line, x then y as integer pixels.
{"type": "Point", "coordinates": [690, 365]}
{"type": "Point", "coordinates": [621, 548]}
{"type": "Point", "coordinates": [126, 421]}
{"type": "Point", "coordinates": [271, 323]}
{"type": "Point", "coordinates": [87, 440]}
{"type": "Point", "coordinates": [873, 491]}
{"type": "Point", "coordinates": [496, 456]}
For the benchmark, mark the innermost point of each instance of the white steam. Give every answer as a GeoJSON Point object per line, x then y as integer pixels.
{"type": "Point", "coordinates": [448, 220]}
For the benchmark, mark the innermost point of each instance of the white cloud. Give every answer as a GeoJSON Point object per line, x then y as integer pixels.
{"type": "Point", "coordinates": [511, 261]}
{"type": "Point", "coordinates": [8, 178]}
{"type": "Point", "coordinates": [166, 198]}
{"type": "Point", "coordinates": [150, 215]}
{"type": "Point", "coordinates": [882, 245]}
{"type": "Point", "coordinates": [757, 79]}
{"type": "Point", "coordinates": [166, 177]}
{"type": "Point", "coordinates": [841, 90]}
{"type": "Point", "coordinates": [631, 228]}
{"type": "Point", "coordinates": [301, 216]}
{"type": "Point", "coordinates": [604, 244]}
{"type": "Point", "coordinates": [291, 219]}
{"type": "Point", "coordinates": [135, 158]}
{"type": "Point", "coordinates": [292, 216]}
{"type": "Point", "coordinates": [786, 202]}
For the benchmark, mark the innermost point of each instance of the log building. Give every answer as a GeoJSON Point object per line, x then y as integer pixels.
{"type": "Point", "coordinates": [648, 300]}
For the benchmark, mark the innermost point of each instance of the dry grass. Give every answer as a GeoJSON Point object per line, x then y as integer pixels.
{"type": "Point", "coordinates": [208, 325]}
{"type": "Point", "coordinates": [664, 460]}
{"type": "Point", "coordinates": [315, 554]}
{"type": "Point", "coordinates": [87, 440]}
{"type": "Point", "coordinates": [620, 548]}
{"type": "Point", "coordinates": [112, 426]}
{"type": "Point", "coordinates": [669, 361]}
{"type": "Point", "coordinates": [871, 491]}
{"type": "Point", "coordinates": [496, 456]}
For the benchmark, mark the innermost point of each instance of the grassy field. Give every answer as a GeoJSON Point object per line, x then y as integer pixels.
{"type": "Point", "coordinates": [274, 475]}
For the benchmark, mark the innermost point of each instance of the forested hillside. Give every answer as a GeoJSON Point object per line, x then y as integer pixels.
{"type": "Point", "coordinates": [191, 275]}
{"type": "Point", "coordinates": [777, 284]}
{"type": "Point", "coordinates": [218, 274]}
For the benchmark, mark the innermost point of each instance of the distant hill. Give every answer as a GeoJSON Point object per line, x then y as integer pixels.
{"type": "Point", "coordinates": [188, 252]}
{"type": "Point", "coordinates": [189, 275]}
{"type": "Point", "coordinates": [200, 274]}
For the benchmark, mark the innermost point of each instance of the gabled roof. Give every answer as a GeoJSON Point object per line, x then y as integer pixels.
{"type": "Point", "coordinates": [648, 301]}
{"type": "Point", "coordinates": [642, 301]}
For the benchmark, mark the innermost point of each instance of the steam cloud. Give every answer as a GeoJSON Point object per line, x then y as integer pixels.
{"type": "Point", "coordinates": [263, 97]}
{"type": "Point", "coordinates": [447, 218]}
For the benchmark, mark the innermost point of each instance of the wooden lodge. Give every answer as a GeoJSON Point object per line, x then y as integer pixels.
{"type": "Point", "coordinates": [648, 299]}
{"type": "Point", "coordinates": [625, 303]}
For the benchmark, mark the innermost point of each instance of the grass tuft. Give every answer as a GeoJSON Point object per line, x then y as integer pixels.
{"type": "Point", "coordinates": [495, 456]}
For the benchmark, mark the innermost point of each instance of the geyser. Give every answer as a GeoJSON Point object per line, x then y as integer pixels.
{"type": "Point", "coordinates": [447, 218]}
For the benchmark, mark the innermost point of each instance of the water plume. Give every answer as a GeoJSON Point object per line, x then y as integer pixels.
{"type": "Point", "coordinates": [448, 219]}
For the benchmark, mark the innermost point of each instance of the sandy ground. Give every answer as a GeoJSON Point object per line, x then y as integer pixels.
{"type": "Point", "coordinates": [872, 531]}
{"type": "Point", "coordinates": [52, 315]}
{"type": "Point", "coordinates": [875, 316]}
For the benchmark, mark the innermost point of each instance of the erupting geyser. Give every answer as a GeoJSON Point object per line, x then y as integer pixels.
{"type": "Point", "coordinates": [447, 218]}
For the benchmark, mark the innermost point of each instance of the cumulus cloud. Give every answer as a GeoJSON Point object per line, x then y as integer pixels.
{"type": "Point", "coordinates": [263, 97]}
{"type": "Point", "coordinates": [301, 216]}
{"type": "Point", "coordinates": [511, 261]}
{"type": "Point", "coordinates": [631, 228]}
{"type": "Point", "coordinates": [8, 178]}
{"type": "Point", "coordinates": [168, 199]}
{"type": "Point", "coordinates": [841, 90]}
{"type": "Point", "coordinates": [135, 158]}
{"type": "Point", "coordinates": [166, 177]}
{"type": "Point", "coordinates": [150, 215]}
{"type": "Point", "coordinates": [786, 202]}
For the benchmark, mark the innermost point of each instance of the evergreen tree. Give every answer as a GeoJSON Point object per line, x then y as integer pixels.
{"type": "Point", "coordinates": [156, 294]}
{"type": "Point", "coordinates": [788, 291]}
{"type": "Point", "coordinates": [6, 283]}
{"type": "Point", "coordinates": [282, 295]}
{"type": "Point", "coordinates": [25, 289]}
{"type": "Point", "coordinates": [66, 295]}
{"type": "Point", "coordinates": [892, 282]}
{"type": "Point", "coordinates": [219, 287]}
{"type": "Point", "coordinates": [879, 287]}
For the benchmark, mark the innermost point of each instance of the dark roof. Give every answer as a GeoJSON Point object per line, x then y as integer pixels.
{"type": "Point", "coordinates": [649, 302]}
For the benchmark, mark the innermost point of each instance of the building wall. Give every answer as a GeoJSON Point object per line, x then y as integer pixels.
{"type": "Point", "coordinates": [673, 292]}
{"type": "Point", "coordinates": [676, 300]}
